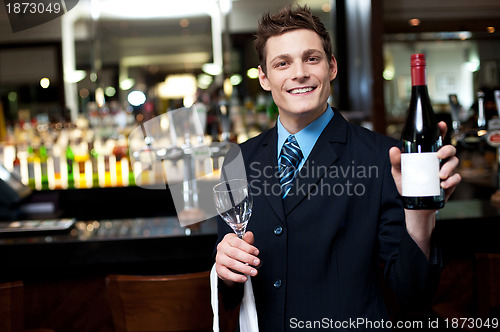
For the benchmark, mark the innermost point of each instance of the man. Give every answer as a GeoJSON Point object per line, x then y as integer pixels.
{"type": "Point", "coordinates": [314, 246]}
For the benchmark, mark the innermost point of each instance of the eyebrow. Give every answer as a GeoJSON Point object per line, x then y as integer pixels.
{"type": "Point", "coordinates": [311, 51]}
{"type": "Point", "coordinates": [306, 53]}
{"type": "Point", "coordinates": [280, 57]}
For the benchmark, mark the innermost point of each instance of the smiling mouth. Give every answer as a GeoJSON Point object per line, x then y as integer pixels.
{"type": "Point", "coordinates": [301, 90]}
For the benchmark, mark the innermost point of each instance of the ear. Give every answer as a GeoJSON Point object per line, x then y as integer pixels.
{"type": "Point", "coordinates": [333, 68]}
{"type": "Point", "coordinates": [264, 82]}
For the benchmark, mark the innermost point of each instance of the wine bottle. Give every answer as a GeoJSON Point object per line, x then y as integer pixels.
{"type": "Point", "coordinates": [421, 139]}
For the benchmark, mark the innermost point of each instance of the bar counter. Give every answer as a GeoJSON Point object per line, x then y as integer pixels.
{"type": "Point", "coordinates": [157, 245]}
{"type": "Point", "coordinates": [465, 227]}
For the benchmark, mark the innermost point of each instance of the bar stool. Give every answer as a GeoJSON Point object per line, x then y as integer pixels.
{"type": "Point", "coordinates": [160, 303]}
{"type": "Point", "coordinates": [12, 308]}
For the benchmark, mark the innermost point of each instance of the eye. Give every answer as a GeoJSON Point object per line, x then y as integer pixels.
{"type": "Point", "coordinates": [280, 64]}
{"type": "Point", "coordinates": [312, 59]}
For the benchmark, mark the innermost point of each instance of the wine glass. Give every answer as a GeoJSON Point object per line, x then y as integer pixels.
{"type": "Point", "coordinates": [234, 204]}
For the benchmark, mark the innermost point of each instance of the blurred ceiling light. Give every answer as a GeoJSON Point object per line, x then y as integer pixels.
{"type": "Point", "coordinates": [177, 86]}
{"type": "Point", "coordinates": [212, 69]}
{"type": "Point", "coordinates": [463, 35]}
{"type": "Point", "coordinates": [44, 82]}
{"type": "Point", "coordinates": [490, 29]}
{"type": "Point", "coordinates": [414, 22]}
{"type": "Point", "coordinates": [235, 79]}
{"type": "Point", "coordinates": [388, 74]}
{"type": "Point", "coordinates": [473, 65]}
{"type": "Point", "coordinates": [74, 76]}
{"type": "Point", "coordinates": [133, 9]}
{"type": "Point", "coordinates": [326, 7]}
{"type": "Point", "coordinates": [253, 73]}
{"type": "Point", "coordinates": [184, 23]}
{"type": "Point", "coordinates": [93, 77]}
{"type": "Point", "coordinates": [136, 98]}
{"type": "Point", "coordinates": [204, 81]}
{"type": "Point", "coordinates": [110, 91]}
{"type": "Point", "coordinates": [127, 84]}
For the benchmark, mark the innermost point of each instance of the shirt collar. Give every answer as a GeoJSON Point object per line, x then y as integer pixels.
{"type": "Point", "coordinates": [308, 136]}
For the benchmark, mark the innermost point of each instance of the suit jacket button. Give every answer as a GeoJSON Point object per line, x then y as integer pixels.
{"type": "Point", "coordinates": [277, 283]}
{"type": "Point", "coordinates": [278, 230]}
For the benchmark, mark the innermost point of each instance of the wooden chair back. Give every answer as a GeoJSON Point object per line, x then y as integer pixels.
{"type": "Point", "coordinates": [160, 303]}
{"type": "Point", "coordinates": [11, 306]}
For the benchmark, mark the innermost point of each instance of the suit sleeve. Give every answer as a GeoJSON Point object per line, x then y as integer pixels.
{"type": "Point", "coordinates": [413, 277]}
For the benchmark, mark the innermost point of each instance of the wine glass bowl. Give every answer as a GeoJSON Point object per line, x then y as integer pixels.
{"type": "Point", "coordinates": [234, 204]}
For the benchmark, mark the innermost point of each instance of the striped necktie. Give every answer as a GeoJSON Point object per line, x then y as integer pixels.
{"type": "Point", "coordinates": [290, 158]}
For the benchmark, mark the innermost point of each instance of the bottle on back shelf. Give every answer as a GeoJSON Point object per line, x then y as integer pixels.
{"type": "Point", "coordinates": [83, 168]}
{"type": "Point", "coordinates": [43, 166]}
{"type": "Point", "coordinates": [421, 140]}
{"type": "Point", "coordinates": [31, 166]}
{"type": "Point", "coordinates": [55, 162]}
{"type": "Point", "coordinates": [70, 163]}
{"type": "Point", "coordinates": [16, 164]}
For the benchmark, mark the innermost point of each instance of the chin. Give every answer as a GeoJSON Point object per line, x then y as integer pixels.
{"type": "Point", "coordinates": [304, 109]}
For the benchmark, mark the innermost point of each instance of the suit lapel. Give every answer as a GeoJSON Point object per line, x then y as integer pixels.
{"type": "Point", "coordinates": [271, 183]}
{"type": "Point", "coordinates": [322, 156]}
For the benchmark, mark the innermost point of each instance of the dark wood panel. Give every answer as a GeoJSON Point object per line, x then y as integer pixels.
{"type": "Point", "coordinates": [76, 305]}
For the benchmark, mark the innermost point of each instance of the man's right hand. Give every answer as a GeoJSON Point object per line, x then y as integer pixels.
{"type": "Point", "coordinates": [236, 258]}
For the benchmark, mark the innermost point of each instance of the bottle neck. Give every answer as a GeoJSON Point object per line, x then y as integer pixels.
{"type": "Point", "coordinates": [418, 76]}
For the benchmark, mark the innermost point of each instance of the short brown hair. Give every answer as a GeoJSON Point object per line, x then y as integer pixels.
{"type": "Point", "coordinates": [289, 19]}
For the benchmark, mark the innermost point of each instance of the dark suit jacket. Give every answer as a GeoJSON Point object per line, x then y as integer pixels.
{"type": "Point", "coordinates": [322, 246]}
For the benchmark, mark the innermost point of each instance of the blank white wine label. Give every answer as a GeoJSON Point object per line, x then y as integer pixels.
{"type": "Point", "coordinates": [420, 174]}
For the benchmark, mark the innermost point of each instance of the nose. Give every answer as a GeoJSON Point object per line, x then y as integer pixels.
{"type": "Point", "coordinates": [300, 71]}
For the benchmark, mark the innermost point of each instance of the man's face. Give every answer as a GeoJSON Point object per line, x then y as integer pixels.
{"type": "Point", "coordinates": [298, 75]}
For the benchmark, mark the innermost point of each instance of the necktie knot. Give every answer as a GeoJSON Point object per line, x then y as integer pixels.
{"type": "Point", "coordinates": [290, 159]}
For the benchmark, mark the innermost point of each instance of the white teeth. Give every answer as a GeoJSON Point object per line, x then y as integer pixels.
{"type": "Point", "coordinates": [301, 90]}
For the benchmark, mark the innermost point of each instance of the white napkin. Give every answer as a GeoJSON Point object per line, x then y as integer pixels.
{"type": "Point", "coordinates": [248, 311]}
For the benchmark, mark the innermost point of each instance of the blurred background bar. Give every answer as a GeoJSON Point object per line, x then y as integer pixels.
{"type": "Point", "coordinates": [74, 199]}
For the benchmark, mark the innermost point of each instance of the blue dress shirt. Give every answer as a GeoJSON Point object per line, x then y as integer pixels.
{"type": "Point", "coordinates": [307, 137]}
